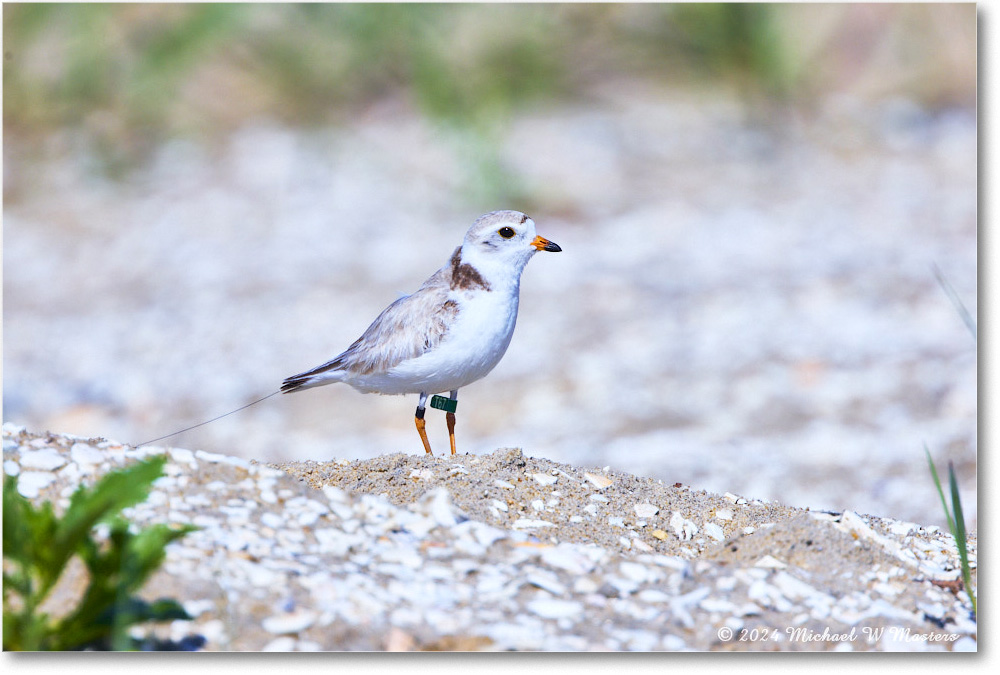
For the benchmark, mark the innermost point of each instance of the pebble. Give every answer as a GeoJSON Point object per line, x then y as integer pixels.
{"type": "Point", "coordinates": [213, 631]}
{"type": "Point", "coordinates": [623, 587]}
{"type": "Point", "coordinates": [568, 557]}
{"type": "Point", "coordinates": [442, 509]}
{"type": "Point", "coordinates": [546, 580]}
{"type": "Point", "coordinates": [550, 608]}
{"type": "Point", "coordinates": [544, 479]}
{"type": "Point", "coordinates": [645, 510]}
{"type": "Point", "coordinates": [86, 455]}
{"type": "Point", "coordinates": [31, 483]}
{"type": "Point", "coordinates": [636, 572]}
{"type": "Point", "coordinates": [598, 481]}
{"type": "Point", "coordinates": [901, 529]}
{"type": "Point", "coordinates": [289, 623]}
{"type": "Point", "coordinates": [215, 458]}
{"type": "Point", "coordinates": [529, 523]}
{"type": "Point", "coordinates": [654, 596]}
{"type": "Point", "coordinates": [308, 519]}
{"type": "Point", "coordinates": [272, 520]}
{"type": "Point", "coordinates": [281, 644]}
{"type": "Point", "coordinates": [682, 527]}
{"type": "Point", "coordinates": [714, 531]}
{"type": "Point", "coordinates": [179, 455]}
{"type": "Point", "coordinates": [205, 521]}
{"type": "Point", "coordinates": [770, 562]}
{"type": "Point", "coordinates": [335, 495]}
{"type": "Point", "coordinates": [43, 460]}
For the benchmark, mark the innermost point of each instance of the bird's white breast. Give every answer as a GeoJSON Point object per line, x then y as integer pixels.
{"type": "Point", "coordinates": [474, 343]}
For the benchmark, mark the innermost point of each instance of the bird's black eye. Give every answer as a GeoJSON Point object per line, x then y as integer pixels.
{"type": "Point", "coordinates": [506, 232]}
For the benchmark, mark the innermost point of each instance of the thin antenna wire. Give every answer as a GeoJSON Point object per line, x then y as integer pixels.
{"type": "Point", "coordinates": [201, 424]}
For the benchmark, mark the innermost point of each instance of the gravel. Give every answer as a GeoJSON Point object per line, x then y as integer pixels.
{"type": "Point", "coordinates": [503, 551]}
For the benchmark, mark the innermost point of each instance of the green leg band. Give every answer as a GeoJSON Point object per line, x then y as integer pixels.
{"type": "Point", "coordinates": [442, 403]}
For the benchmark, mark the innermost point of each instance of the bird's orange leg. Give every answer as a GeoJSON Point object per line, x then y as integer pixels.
{"type": "Point", "coordinates": [421, 424]}
{"type": "Point", "coordinates": [450, 419]}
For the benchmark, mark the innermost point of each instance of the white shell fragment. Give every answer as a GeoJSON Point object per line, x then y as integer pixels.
{"type": "Point", "coordinates": [770, 562]}
{"type": "Point", "coordinates": [289, 623]}
{"type": "Point", "coordinates": [31, 483]}
{"type": "Point", "coordinates": [530, 523]}
{"type": "Point", "coordinates": [600, 482]}
{"type": "Point", "coordinates": [683, 528]}
{"type": "Point", "coordinates": [86, 455]}
{"type": "Point", "coordinates": [45, 460]}
{"type": "Point", "coordinates": [714, 531]}
{"type": "Point", "coordinates": [556, 609]}
{"type": "Point", "coordinates": [645, 510]}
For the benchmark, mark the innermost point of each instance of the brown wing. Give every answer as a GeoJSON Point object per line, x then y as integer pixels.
{"type": "Point", "coordinates": [404, 330]}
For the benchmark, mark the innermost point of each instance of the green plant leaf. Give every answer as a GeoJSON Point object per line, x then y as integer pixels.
{"type": "Point", "coordinates": [26, 530]}
{"type": "Point", "coordinates": [957, 303]}
{"type": "Point", "coordinates": [147, 550]}
{"type": "Point", "coordinates": [37, 547]}
{"type": "Point", "coordinates": [108, 609]}
{"type": "Point", "coordinates": [960, 535]}
{"type": "Point", "coordinates": [139, 611]}
{"type": "Point", "coordinates": [937, 484]}
{"type": "Point", "coordinates": [114, 492]}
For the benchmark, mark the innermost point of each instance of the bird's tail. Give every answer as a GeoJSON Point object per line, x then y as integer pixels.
{"type": "Point", "coordinates": [295, 383]}
{"type": "Point", "coordinates": [325, 374]}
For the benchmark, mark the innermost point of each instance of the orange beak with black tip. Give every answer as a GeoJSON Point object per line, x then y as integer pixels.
{"type": "Point", "coordinates": [543, 244]}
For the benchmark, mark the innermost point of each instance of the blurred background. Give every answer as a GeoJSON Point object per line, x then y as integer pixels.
{"type": "Point", "coordinates": [200, 200]}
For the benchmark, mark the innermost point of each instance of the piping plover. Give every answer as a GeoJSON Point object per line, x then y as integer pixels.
{"type": "Point", "coordinates": [451, 332]}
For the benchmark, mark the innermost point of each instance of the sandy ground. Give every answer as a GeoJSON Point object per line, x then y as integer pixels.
{"type": "Point", "coordinates": [501, 551]}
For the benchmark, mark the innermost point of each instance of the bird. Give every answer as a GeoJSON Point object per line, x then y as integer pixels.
{"type": "Point", "coordinates": [450, 332]}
